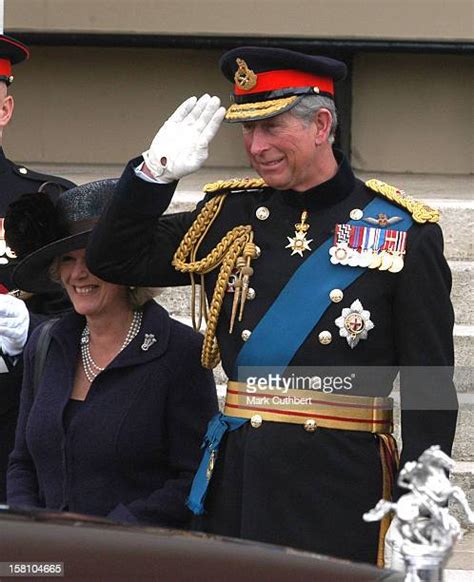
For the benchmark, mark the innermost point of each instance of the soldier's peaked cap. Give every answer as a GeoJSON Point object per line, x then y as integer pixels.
{"type": "Point", "coordinates": [270, 81]}
{"type": "Point", "coordinates": [12, 51]}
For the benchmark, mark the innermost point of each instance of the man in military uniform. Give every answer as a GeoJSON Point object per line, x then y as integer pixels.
{"type": "Point", "coordinates": [16, 315]}
{"type": "Point", "coordinates": [306, 266]}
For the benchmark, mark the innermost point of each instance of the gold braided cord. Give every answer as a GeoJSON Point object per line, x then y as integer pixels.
{"type": "Point", "coordinates": [210, 261]}
{"type": "Point", "coordinates": [242, 111]}
{"type": "Point", "coordinates": [210, 356]}
{"type": "Point", "coordinates": [235, 184]}
{"type": "Point", "coordinates": [209, 215]}
{"type": "Point", "coordinates": [264, 104]}
{"type": "Point", "coordinates": [194, 236]}
{"type": "Point", "coordinates": [421, 212]}
{"type": "Point", "coordinates": [229, 248]}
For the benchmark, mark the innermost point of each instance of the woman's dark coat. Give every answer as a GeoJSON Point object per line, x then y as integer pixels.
{"type": "Point", "coordinates": [132, 449]}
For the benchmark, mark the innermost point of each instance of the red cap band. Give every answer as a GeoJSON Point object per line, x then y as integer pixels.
{"type": "Point", "coordinates": [285, 79]}
{"type": "Point", "coordinates": [5, 68]}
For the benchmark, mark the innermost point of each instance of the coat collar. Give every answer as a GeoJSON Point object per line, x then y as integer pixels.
{"type": "Point", "coordinates": [328, 193]}
{"type": "Point", "coordinates": [156, 321]}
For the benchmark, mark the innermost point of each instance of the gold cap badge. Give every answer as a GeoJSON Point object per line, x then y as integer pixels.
{"type": "Point", "coordinates": [244, 77]}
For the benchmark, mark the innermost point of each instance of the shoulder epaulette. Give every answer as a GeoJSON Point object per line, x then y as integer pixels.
{"type": "Point", "coordinates": [420, 212]}
{"type": "Point", "coordinates": [40, 177]}
{"type": "Point", "coordinates": [234, 184]}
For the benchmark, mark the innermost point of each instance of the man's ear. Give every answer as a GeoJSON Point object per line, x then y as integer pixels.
{"type": "Point", "coordinates": [6, 110]}
{"type": "Point", "coordinates": [323, 122]}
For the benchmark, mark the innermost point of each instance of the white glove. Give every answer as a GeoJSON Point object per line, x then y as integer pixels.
{"type": "Point", "coordinates": [181, 145]}
{"type": "Point", "coordinates": [14, 324]}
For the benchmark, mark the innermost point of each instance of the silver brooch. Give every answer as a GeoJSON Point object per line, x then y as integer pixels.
{"type": "Point", "coordinates": [149, 340]}
{"type": "Point", "coordinates": [354, 323]}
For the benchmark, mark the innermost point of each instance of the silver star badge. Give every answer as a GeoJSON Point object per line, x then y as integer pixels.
{"type": "Point", "coordinates": [354, 323]}
{"type": "Point", "coordinates": [298, 243]}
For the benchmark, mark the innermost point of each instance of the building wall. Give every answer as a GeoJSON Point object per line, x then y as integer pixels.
{"type": "Point", "coordinates": [104, 105]}
{"type": "Point", "coordinates": [88, 105]}
{"type": "Point", "coordinates": [413, 113]}
{"type": "Point", "coordinates": [398, 19]}
{"type": "Point", "coordinates": [410, 112]}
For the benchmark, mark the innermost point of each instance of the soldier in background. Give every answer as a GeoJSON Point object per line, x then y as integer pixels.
{"type": "Point", "coordinates": [18, 313]}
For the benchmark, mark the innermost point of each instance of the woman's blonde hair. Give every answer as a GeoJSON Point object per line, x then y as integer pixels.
{"type": "Point", "coordinates": [141, 295]}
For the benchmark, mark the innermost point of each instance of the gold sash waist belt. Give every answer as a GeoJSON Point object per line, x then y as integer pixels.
{"type": "Point", "coordinates": [310, 408]}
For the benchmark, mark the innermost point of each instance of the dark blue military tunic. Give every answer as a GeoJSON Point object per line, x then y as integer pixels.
{"type": "Point", "coordinates": [278, 483]}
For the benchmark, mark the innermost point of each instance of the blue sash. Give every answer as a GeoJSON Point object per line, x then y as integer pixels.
{"type": "Point", "coordinates": [284, 327]}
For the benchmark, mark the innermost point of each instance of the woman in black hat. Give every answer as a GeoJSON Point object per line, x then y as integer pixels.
{"type": "Point", "coordinates": [113, 426]}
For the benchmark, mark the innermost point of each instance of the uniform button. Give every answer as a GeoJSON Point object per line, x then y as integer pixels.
{"type": "Point", "coordinates": [310, 425]}
{"type": "Point", "coordinates": [258, 251]}
{"type": "Point", "coordinates": [23, 170]}
{"type": "Point", "coordinates": [356, 214]}
{"type": "Point", "coordinates": [245, 334]}
{"type": "Point", "coordinates": [325, 338]}
{"type": "Point", "coordinates": [256, 421]}
{"type": "Point", "coordinates": [251, 293]}
{"type": "Point", "coordinates": [336, 295]}
{"type": "Point", "coordinates": [262, 213]}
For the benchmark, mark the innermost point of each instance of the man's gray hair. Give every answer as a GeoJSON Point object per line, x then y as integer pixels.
{"type": "Point", "coordinates": [311, 104]}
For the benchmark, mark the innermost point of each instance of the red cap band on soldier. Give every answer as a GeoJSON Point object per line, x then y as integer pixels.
{"type": "Point", "coordinates": [284, 79]}
{"type": "Point", "coordinates": [5, 67]}
{"type": "Point", "coordinates": [11, 52]}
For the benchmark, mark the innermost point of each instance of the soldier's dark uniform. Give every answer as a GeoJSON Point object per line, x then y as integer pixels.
{"type": "Point", "coordinates": [16, 180]}
{"type": "Point", "coordinates": [276, 482]}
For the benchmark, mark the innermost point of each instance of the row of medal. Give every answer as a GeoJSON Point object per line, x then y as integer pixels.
{"type": "Point", "coordinates": [362, 246]}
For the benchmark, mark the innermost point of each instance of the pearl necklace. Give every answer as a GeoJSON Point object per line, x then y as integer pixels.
{"type": "Point", "coordinates": [91, 369]}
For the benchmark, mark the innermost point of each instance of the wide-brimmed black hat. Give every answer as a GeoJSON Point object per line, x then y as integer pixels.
{"type": "Point", "coordinates": [270, 81]}
{"type": "Point", "coordinates": [77, 212]}
{"type": "Point", "coordinates": [12, 52]}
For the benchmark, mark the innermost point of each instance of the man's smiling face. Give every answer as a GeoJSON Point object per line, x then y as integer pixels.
{"type": "Point", "coordinates": [283, 151]}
